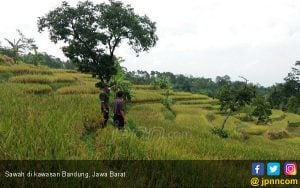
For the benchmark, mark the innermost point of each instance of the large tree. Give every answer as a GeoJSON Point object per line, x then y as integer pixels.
{"type": "Point", "coordinates": [93, 32]}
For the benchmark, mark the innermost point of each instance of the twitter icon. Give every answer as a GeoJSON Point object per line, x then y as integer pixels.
{"type": "Point", "coordinates": [273, 169]}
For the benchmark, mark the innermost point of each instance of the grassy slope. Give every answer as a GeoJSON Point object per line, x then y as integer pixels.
{"type": "Point", "coordinates": [53, 114]}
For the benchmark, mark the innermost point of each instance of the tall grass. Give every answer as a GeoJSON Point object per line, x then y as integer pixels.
{"type": "Point", "coordinates": [41, 79]}
{"type": "Point", "coordinates": [55, 126]}
{"type": "Point", "coordinates": [26, 69]}
{"type": "Point", "coordinates": [78, 89]}
{"type": "Point", "coordinates": [43, 126]}
{"type": "Point", "coordinates": [146, 96]}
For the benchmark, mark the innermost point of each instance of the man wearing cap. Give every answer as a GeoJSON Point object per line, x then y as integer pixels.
{"type": "Point", "coordinates": [104, 99]}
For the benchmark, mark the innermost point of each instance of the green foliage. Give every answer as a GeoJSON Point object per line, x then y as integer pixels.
{"type": "Point", "coordinates": [283, 96]}
{"type": "Point", "coordinates": [46, 59]}
{"type": "Point", "coordinates": [294, 124]}
{"type": "Point", "coordinates": [118, 82]}
{"type": "Point", "coordinates": [89, 30]}
{"type": "Point", "coordinates": [223, 80]}
{"type": "Point", "coordinates": [262, 109]}
{"type": "Point", "coordinates": [161, 83]}
{"type": "Point", "coordinates": [232, 98]}
{"type": "Point", "coordinates": [21, 45]}
{"type": "Point", "coordinates": [5, 76]}
{"type": "Point", "coordinates": [220, 132]}
{"type": "Point", "coordinates": [293, 104]}
{"type": "Point", "coordinates": [167, 102]}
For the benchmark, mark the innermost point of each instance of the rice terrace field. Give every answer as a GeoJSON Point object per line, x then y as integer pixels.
{"type": "Point", "coordinates": [51, 114]}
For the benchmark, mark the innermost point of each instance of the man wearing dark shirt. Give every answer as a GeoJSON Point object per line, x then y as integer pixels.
{"type": "Point", "coordinates": [119, 112]}
{"type": "Point", "coordinates": [104, 99]}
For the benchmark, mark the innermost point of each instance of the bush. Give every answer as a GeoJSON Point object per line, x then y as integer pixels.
{"type": "Point", "coordinates": [131, 127]}
{"type": "Point", "coordinates": [246, 118]}
{"type": "Point", "coordinates": [240, 135]}
{"type": "Point", "coordinates": [293, 104]}
{"type": "Point", "coordinates": [210, 117]}
{"type": "Point", "coordinates": [92, 121]}
{"type": "Point", "coordinates": [220, 132]}
{"type": "Point", "coordinates": [272, 135]}
{"type": "Point", "coordinates": [294, 124]}
{"type": "Point", "coordinates": [5, 76]}
{"type": "Point", "coordinates": [167, 102]}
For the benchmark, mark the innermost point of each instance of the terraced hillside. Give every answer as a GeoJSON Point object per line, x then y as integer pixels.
{"type": "Point", "coordinates": [54, 114]}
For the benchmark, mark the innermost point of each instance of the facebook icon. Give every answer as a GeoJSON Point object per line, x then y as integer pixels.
{"type": "Point", "coordinates": [258, 169]}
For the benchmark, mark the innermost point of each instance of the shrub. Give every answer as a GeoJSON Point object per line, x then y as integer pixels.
{"type": "Point", "coordinates": [5, 76]}
{"type": "Point", "coordinates": [293, 104]}
{"type": "Point", "coordinates": [220, 132]}
{"type": "Point", "coordinates": [272, 135]}
{"type": "Point", "coordinates": [167, 102]}
{"type": "Point", "coordinates": [294, 124]}
{"type": "Point", "coordinates": [92, 121]}
{"type": "Point", "coordinates": [240, 135]}
{"type": "Point", "coordinates": [246, 117]}
{"type": "Point", "coordinates": [210, 117]}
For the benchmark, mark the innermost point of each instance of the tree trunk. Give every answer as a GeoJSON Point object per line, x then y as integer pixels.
{"type": "Point", "coordinates": [224, 122]}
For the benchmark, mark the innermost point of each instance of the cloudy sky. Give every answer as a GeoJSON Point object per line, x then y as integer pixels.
{"type": "Point", "coordinates": [258, 39]}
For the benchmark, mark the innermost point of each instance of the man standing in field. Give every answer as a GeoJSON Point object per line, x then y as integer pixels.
{"type": "Point", "coordinates": [119, 112]}
{"type": "Point", "coordinates": [104, 99]}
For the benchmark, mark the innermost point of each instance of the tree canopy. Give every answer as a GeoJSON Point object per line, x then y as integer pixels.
{"type": "Point", "coordinates": [93, 32]}
{"type": "Point", "coordinates": [232, 98]}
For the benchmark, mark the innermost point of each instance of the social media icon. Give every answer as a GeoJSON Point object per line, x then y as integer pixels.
{"type": "Point", "coordinates": [258, 169]}
{"type": "Point", "coordinates": [290, 168]}
{"type": "Point", "coordinates": [273, 169]}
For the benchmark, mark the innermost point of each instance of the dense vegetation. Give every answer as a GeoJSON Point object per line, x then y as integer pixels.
{"type": "Point", "coordinates": [284, 96]}
{"type": "Point", "coordinates": [25, 50]}
{"type": "Point", "coordinates": [54, 114]}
